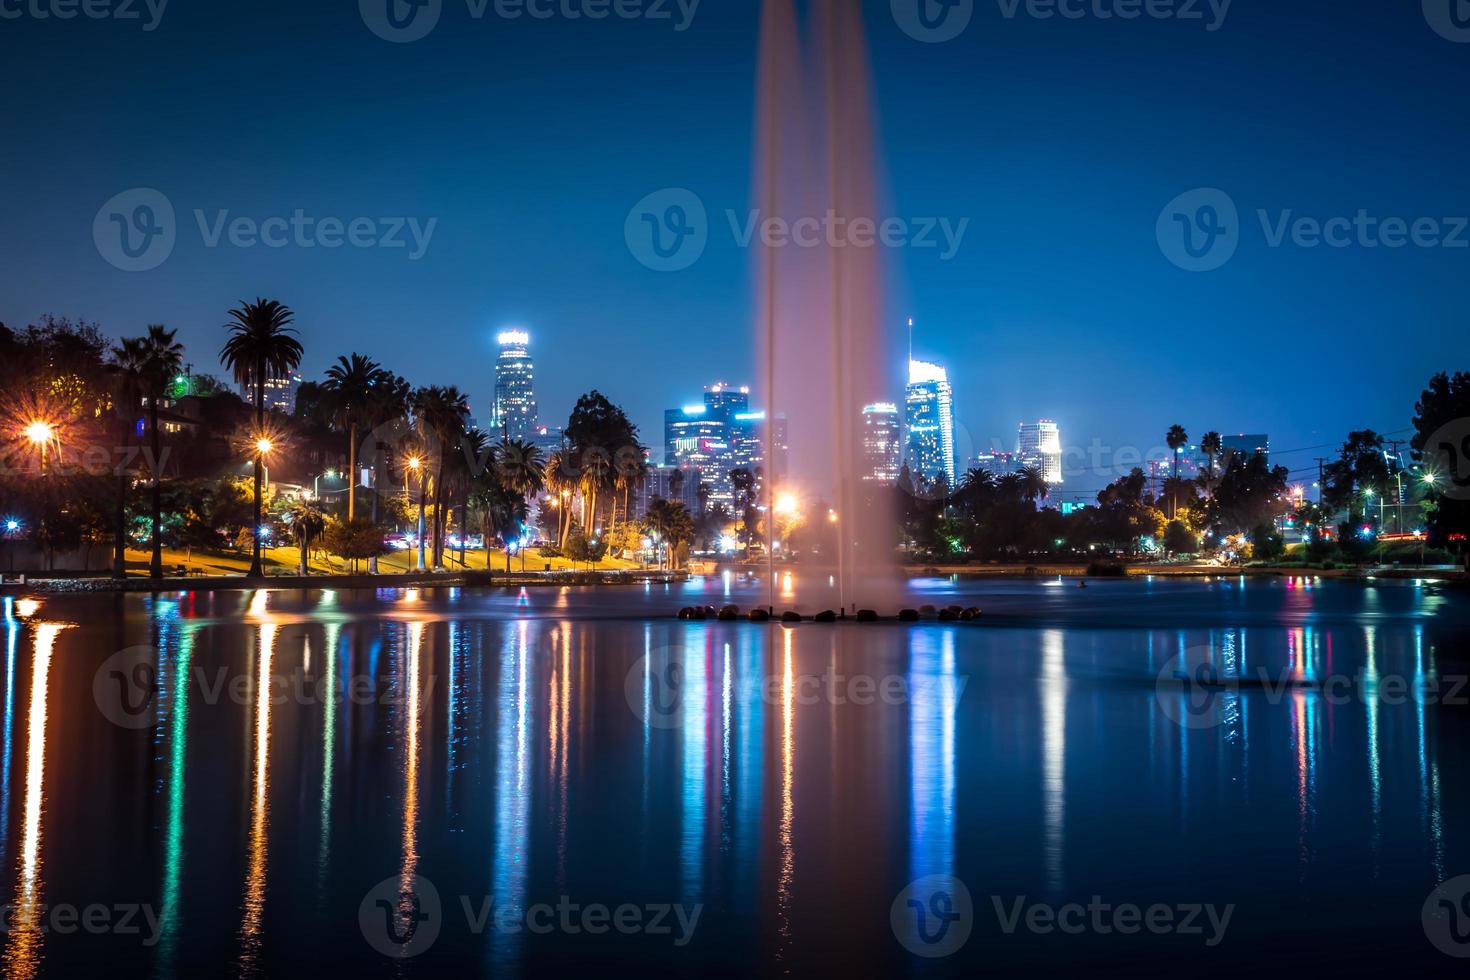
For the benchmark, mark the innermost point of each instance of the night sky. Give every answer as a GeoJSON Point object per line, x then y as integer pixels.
{"type": "Point", "coordinates": [528, 142]}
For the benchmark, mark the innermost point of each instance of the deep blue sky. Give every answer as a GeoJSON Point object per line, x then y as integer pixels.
{"type": "Point", "coordinates": [529, 141]}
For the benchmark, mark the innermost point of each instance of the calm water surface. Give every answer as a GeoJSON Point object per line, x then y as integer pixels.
{"type": "Point", "coordinates": [744, 798]}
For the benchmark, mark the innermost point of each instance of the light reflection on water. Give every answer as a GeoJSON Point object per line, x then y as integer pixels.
{"type": "Point", "coordinates": [507, 764]}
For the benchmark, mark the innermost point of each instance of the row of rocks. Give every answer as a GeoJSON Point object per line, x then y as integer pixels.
{"type": "Point", "coordinates": [727, 614]}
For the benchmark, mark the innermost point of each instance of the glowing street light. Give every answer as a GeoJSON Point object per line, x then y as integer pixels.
{"type": "Point", "coordinates": [41, 434]}
{"type": "Point", "coordinates": [264, 446]}
{"type": "Point", "coordinates": [786, 503]}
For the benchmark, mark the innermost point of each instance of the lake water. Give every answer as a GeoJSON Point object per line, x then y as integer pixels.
{"type": "Point", "coordinates": [1212, 775]}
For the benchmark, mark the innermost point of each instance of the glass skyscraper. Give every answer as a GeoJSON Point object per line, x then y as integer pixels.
{"type": "Point", "coordinates": [882, 444]}
{"type": "Point", "coordinates": [930, 419]}
{"type": "Point", "coordinates": [515, 411]}
{"type": "Point", "coordinates": [1039, 444]}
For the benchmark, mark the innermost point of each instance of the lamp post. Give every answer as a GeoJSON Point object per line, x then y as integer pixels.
{"type": "Point", "coordinates": [416, 466]}
{"type": "Point", "coordinates": [263, 448]}
{"type": "Point", "coordinates": [41, 434]}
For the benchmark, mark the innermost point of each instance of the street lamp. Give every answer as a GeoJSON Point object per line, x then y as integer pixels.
{"type": "Point", "coordinates": [40, 434]}
{"type": "Point", "coordinates": [263, 448]}
{"type": "Point", "coordinates": [415, 464]}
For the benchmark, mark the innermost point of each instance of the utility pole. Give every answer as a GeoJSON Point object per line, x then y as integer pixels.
{"type": "Point", "coordinates": [1398, 470]}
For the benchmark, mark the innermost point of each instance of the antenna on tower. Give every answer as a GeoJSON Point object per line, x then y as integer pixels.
{"type": "Point", "coordinates": [911, 340]}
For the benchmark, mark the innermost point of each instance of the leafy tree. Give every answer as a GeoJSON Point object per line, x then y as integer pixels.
{"type": "Point", "coordinates": [1251, 493]}
{"type": "Point", "coordinates": [1442, 441]}
{"type": "Point", "coordinates": [355, 541]}
{"type": "Point", "coordinates": [1361, 466]}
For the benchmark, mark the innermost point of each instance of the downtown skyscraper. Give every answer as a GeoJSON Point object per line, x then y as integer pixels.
{"type": "Point", "coordinates": [1039, 444]}
{"type": "Point", "coordinates": [929, 450]}
{"type": "Point", "coordinates": [515, 413]}
{"type": "Point", "coordinates": [882, 444]}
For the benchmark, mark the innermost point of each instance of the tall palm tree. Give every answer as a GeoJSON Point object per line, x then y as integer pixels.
{"type": "Point", "coordinates": [597, 472]}
{"type": "Point", "coordinates": [351, 384]}
{"type": "Point", "coordinates": [129, 360]}
{"type": "Point", "coordinates": [261, 345]}
{"type": "Point", "coordinates": [1177, 439]}
{"type": "Point", "coordinates": [440, 414]}
{"type": "Point", "coordinates": [562, 482]}
{"type": "Point", "coordinates": [671, 520]}
{"type": "Point", "coordinates": [1212, 444]}
{"type": "Point", "coordinates": [162, 358]}
{"type": "Point", "coordinates": [521, 472]}
{"type": "Point", "coordinates": [465, 469]}
{"type": "Point", "coordinates": [389, 404]}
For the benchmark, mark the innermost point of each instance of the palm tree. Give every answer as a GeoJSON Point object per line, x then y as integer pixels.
{"type": "Point", "coordinates": [440, 414]}
{"type": "Point", "coordinates": [465, 470]}
{"type": "Point", "coordinates": [1212, 444]}
{"type": "Point", "coordinates": [351, 385]}
{"type": "Point", "coordinates": [388, 404]}
{"type": "Point", "coordinates": [161, 359]}
{"type": "Point", "coordinates": [129, 362]}
{"type": "Point", "coordinates": [305, 522]}
{"type": "Point", "coordinates": [671, 520]}
{"type": "Point", "coordinates": [561, 482]}
{"type": "Point", "coordinates": [521, 473]}
{"type": "Point", "coordinates": [260, 345]}
{"type": "Point", "coordinates": [1177, 439]}
{"type": "Point", "coordinates": [596, 476]}
{"type": "Point", "coordinates": [1033, 484]}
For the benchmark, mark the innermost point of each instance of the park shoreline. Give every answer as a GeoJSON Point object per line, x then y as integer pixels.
{"type": "Point", "coordinates": [480, 579]}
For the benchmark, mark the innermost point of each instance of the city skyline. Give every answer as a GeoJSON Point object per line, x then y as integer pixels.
{"type": "Point", "coordinates": [1061, 277]}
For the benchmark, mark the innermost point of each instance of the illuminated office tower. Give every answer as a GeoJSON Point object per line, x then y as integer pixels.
{"type": "Point", "coordinates": [882, 444]}
{"type": "Point", "coordinates": [280, 393]}
{"type": "Point", "coordinates": [1039, 445]}
{"type": "Point", "coordinates": [930, 419]}
{"type": "Point", "coordinates": [514, 415]}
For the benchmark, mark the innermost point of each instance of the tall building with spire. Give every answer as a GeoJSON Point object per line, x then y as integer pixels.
{"type": "Point", "coordinates": [515, 414]}
{"type": "Point", "coordinates": [929, 447]}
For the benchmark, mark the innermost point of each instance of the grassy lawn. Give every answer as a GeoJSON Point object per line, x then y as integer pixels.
{"type": "Point", "coordinates": [286, 561]}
